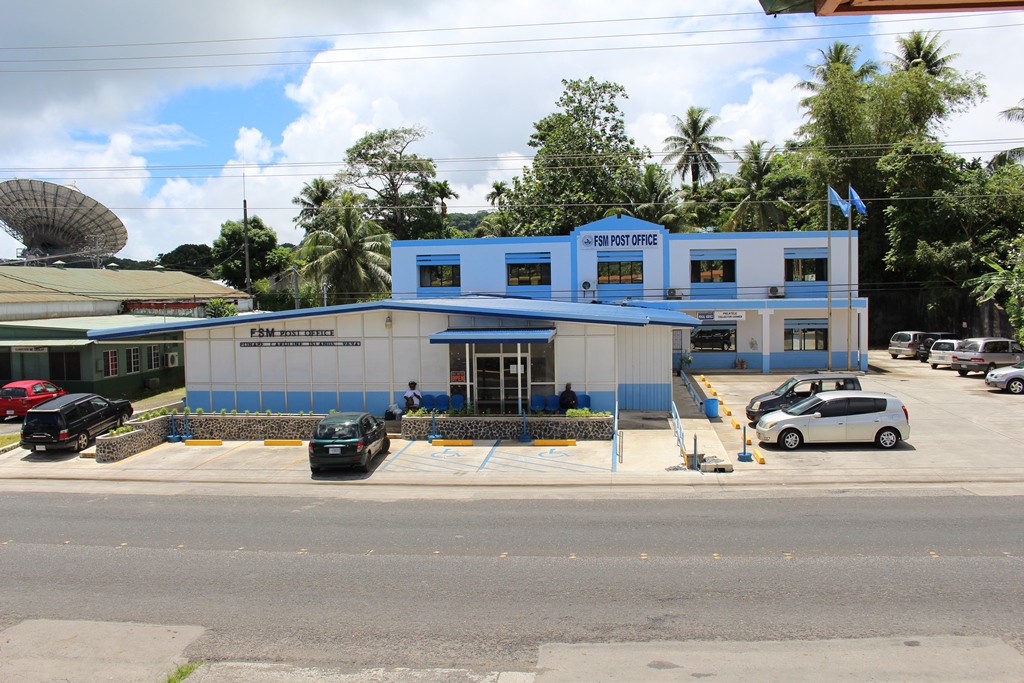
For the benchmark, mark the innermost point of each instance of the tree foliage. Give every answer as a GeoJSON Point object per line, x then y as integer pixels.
{"type": "Point", "coordinates": [195, 259]}
{"type": "Point", "coordinates": [265, 258]}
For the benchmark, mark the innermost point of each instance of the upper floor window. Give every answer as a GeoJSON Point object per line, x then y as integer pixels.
{"type": "Point", "coordinates": [713, 265]}
{"type": "Point", "coordinates": [439, 270]}
{"type": "Point", "coordinates": [620, 273]}
{"type": "Point", "coordinates": [528, 274]}
{"type": "Point", "coordinates": [806, 265]}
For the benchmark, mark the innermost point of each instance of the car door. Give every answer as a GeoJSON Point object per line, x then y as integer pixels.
{"type": "Point", "coordinates": [104, 415]}
{"type": "Point", "coordinates": [370, 433]}
{"type": "Point", "coordinates": [864, 418]}
{"type": "Point", "coordinates": [829, 421]}
{"type": "Point", "coordinates": [37, 394]}
{"type": "Point", "coordinates": [1017, 353]}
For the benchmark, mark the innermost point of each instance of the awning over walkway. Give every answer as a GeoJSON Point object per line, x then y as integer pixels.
{"type": "Point", "coordinates": [499, 336]}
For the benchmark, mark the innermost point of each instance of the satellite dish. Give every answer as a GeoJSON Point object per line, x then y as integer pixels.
{"type": "Point", "coordinates": [586, 285]}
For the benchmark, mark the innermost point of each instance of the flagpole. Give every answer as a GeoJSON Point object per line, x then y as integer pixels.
{"type": "Point", "coordinates": [849, 282]}
{"type": "Point", "coordinates": [828, 276]}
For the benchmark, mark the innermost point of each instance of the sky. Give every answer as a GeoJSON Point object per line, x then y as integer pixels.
{"type": "Point", "coordinates": [171, 113]}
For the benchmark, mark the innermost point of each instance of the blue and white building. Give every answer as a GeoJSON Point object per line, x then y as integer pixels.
{"type": "Point", "coordinates": [610, 308]}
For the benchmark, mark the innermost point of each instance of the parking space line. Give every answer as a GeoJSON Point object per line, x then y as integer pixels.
{"type": "Point", "coordinates": [410, 461]}
{"type": "Point", "coordinates": [218, 457]}
{"type": "Point", "coordinates": [505, 459]}
{"type": "Point", "coordinates": [394, 457]}
{"type": "Point", "coordinates": [493, 449]}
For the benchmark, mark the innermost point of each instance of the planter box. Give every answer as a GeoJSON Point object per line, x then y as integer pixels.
{"type": "Point", "coordinates": [148, 434]}
{"type": "Point", "coordinates": [490, 428]}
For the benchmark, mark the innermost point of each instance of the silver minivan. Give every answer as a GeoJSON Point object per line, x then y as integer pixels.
{"type": "Point", "coordinates": [906, 343]}
{"type": "Point", "coordinates": [941, 352]}
{"type": "Point", "coordinates": [982, 354]}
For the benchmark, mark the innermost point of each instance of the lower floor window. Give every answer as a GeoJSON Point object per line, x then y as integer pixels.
{"type": "Point", "coordinates": [65, 365]}
{"type": "Point", "coordinates": [110, 363]}
{"type": "Point", "coordinates": [805, 339]}
{"type": "Point", "coordinates": [718, 338]}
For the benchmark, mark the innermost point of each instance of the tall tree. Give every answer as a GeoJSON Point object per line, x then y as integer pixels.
{"type": "Point", "coordinates": [693, 147]}
{"type": "Point", "coordinates": [756, 209]}
{"type": "Point", "coordinates": [583, 157]}
{"type": "Point", "coordinates": [311, 199]}
{"type": "Point", "coordinates": [499, 191]}
{"type": "Point", "coordinates": [380, 165]}
{"type": "Point", "coordinates": [1016, 154]}
{"type": "Point", "coordinates": [922, 48]}
{"type": "Point", "coordinates": [650, 197]}
{"type": "Point", "coordinates": [228, 252]}
{"type": "Point", "coordinates": [195, 259]}
{"type": "Point", "coordinates": [838, 54]}
{"type": "Point", "coordinates": [352, 256]}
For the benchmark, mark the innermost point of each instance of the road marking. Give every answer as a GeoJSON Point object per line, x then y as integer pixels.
{"type": "Point", "coordinates": [437, 552]}
{"type": "Point", "coordinates": [66, 542]}
{"type": "Point", "coordinates": [503, 555]}
{"type": "Point", "coordinates": [572, 557]}
{"type": "Point", "coordinates": [122, 545]}
{"type": "Point", "coordinates": [933, 553]}
{"type": "Point", "coordinates": [302, 551]}
{"type": "Point", "coordinates": [643, 556]}
{"type": "Point", "coordinates": [716, 556]}
{"type": "Point", "coordinates": [227, 452]}
{"type": "Point", "coordinates": [788, 556]}
{"type": "Point", "coordinates": [368, 552]}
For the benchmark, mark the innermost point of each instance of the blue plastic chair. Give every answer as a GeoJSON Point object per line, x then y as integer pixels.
{"type": "Point", "coordinates": [458, 402]}
{"type": "Point", "coordinates": [536, 403]}
{"type": "Point", "coordinates": [551, 404]}
{"type": "Point", "coordinates": [427, 402]}
{"type": "Point", "coordinates": [441, 402]}
{"type": "Point", "coordinates": [583, 400]}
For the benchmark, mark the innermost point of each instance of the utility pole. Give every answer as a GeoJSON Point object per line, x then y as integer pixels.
{"type": "Point", "coordinates": [245, 238]}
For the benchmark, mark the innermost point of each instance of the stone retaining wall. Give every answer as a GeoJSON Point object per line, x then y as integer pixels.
{"type": "Point", "coordinates": [148, 434]}
{"type": "Point", "coordinates": [510, 428]}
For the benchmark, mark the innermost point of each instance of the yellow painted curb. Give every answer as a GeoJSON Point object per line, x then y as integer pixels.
{"type": "Point", "coordinates": [702, 378]}
{"type": "Point", "coordinates": [203, 442]}
{"type": "Point", "coordinates": [749, 442]}
{"type": "Point", "coordinates": [451, 442]}
{"type": "Point", "coordinates": [554, 442]}
{"type": "Point", "coordinates": [728, 413]}
{"type": "Point", "coordinates": [282, 442]}
{"type": "Point", "coordinates": [758, 457]}
{"type": "Point", "coordinates": [735, 424]}
{"type": "Point", "coordinates": [714, 393]}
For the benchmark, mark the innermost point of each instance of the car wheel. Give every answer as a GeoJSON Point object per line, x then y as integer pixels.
{"type": "Point", "coordinates": [790, 439]}
{"type": "Point", "coordinates": [386, 446]}
{"type": "Point", "coordinates": [962, 373]}
{"type": "Point", "coordinates": [894, 356]}
{"type": "Point", "coordinates": [120, 419]}
{"type": "Point", "coordinates": [990, 368]}
{"type": "Point", "coordinates": [1015, 386]}
{"type": "Point", "coordinates": [82, 441]}
{"type": "Point", "coordinates": [887, 438]}
{"type": "Point", "coordinates": [934, 365]}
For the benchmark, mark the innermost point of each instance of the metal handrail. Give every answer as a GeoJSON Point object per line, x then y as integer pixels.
{"type": "Point", "coordinates": [677, 425]}
{"type": "Point", "coordinates": [693, 392]}
{"type": "Point", "coordinates": [616, 456]}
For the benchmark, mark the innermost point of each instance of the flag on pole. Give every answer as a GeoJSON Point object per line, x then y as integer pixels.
{"type": "Point", "coordinates": [857, 203]}
{"type": "Point", "coordinates": [834, 198]}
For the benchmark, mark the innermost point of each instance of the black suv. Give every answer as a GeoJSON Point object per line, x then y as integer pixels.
{"type": "Point", "coordinates": [71, 421]}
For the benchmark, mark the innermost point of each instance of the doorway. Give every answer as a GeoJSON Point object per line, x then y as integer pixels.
{"type": "Point", "coordinates": [501, 379]}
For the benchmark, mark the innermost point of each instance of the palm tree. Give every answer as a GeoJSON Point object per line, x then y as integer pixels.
{"type": "Point", "coordinates": [649, 198]}
{"type": "Point", "coordinates": [838, 53]}
{"type": "Point", "coordinates": [693, 147]}
{"type": "Point", "coordinates": [922, 48]}
{"type": "Point", "coordinates": [762, 215]}
{"type": "Point", "coordinates": [313, 196]}
{"type": "Point", "coordinates": [1009, 156]}
{"type": "Point", "coordinates": [349, 252]}
{"type": "Point", "coordinates": [442, 191]}
{"type": "Point", "coordinates": [497, 224]}
{"type": "Point", "coordinates": [499, 191]}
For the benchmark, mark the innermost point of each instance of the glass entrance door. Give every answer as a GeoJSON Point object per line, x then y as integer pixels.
{"type": "Point", "coordinates": [499, 380]}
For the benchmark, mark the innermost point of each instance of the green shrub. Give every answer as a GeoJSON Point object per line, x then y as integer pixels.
{"type": "Point", "coordinates": [188, 411]}
{"type": "Point", "coordinates": [234, 411]}
{"type": "Point", "coordinates": [584, 412]}
{"type": "Point", "coordinates": [269, 413]}
{"type": "Point", "coordinates": [223, 411]}
{"type": "Point", "coordinates": [199, 411]}
{"type": "Point", "coordinates": [164, 411]}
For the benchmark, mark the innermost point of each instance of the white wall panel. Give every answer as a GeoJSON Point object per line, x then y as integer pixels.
{"type": "Point", "coordinates": [222, 332]}
{"type": "Point", "coordinates": [325, 363]}
{"type": "Point", "coordinates": [222, 354]}
{"type": "Point", "coordinates": [570, 360]}
{"type": "Point", "coordinates": [349, 326]}
{"type": "Point", "coordinates": [247, 365]}
{"type": "Point", "coordinates": [433, 363]}
{"type": "Point", "coordinates": [432, 322]}
{"type": "Point", "coordinates": [405, 324]}
{"type": "Point", "coordinates": [600, 359]}
{"type": "Point", "coordinates": [407, 362]}
{"type": "Point", "coordinates": [373, 324]}
{"type": "Point", "coordinates": [298, 363]}
{"type": "Point", "coordinates": [350, 363]}
{"type": "Point", "coordinates": [197, 360]}
{"type": "Point", "coordinates": [272, 364]}
{"type": "Point", "coordinates": [377, 359]}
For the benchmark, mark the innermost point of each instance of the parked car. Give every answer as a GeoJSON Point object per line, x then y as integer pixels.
{"type": "Point", "coordinates": [347, 440]}
{"type": "Point", "coordinates": [17, 398]}
{"type": "Point", "coordinates": [941, 352]}
{"type": "Point", "coordinates": [985, 354]}
{"type": "Point", "coordinates": [926, 343]}
{"type": "Point", "coordinates": [906, 343]}
{"type": "Point", "coordinates": [796, 389]}
{"type": "Point", "coordinates": [71, 421]}
{"type": "Point", "coordinates": [1008, 379]}
{"type": "Point", "coordinates": [838, 416]}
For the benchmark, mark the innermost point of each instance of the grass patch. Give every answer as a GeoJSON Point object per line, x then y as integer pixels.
{"type": "Point", "coordinates": [183, 672]}
{"type": "Point", "coordinates": [8, 439]}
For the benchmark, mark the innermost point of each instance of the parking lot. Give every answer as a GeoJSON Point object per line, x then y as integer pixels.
{"type": "Point", "coordinates": [957, 424]}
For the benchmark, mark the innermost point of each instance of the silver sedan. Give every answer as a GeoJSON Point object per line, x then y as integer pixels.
{"type": "Point", "coordinates": [1009, 379]}
{"type": "Point", "coordinates": [837, 416]}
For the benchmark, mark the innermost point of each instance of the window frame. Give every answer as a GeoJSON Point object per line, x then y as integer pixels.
{"type": "Point", "coordinates": [819, 266]}
{"type": "Point", "coordinates": [153, 359]}
{"type": "Point", "coordinates": [635, 272]}
{"type": "Point", "coordinates": [132, 360]}
{"type": "Point", "coordinates": [529, 271]}
{"type": "Point", "coordinates": [700, 266]}
{"type": "Point", "coordinates": [450, 278]}
{"type": "Point", "coordinates": [110, 368]}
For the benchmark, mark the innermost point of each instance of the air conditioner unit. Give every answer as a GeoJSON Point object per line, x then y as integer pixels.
{"type": "Point", "coordinates": [171, 359]}
{"type": "Point", "coordinates": [152, 382]}
{"type": "Point", "coordinates": [777, 291]}
{"type": "Point", "coordinates": [673, 293]}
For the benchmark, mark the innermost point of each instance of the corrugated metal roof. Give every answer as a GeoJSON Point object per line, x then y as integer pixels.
{"type": "Point", "coordinates": [484, 306]}
{"type": "Point", "coordinates": [20, 284]}
{"type": "Point", "coordinates": [537, 335]}
{"type": "Point", "coordinates": [93, 322]}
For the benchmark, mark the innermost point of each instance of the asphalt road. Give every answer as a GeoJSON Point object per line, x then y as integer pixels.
{"type": "Point", "coordinates": [482, 584]}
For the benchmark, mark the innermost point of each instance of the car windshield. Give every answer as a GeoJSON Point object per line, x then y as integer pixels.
{"type": "Point", "coordinates": [901, 337]}
{"type": "Point", "coordinates": [13, 392]}
{"type": "Point", "coordinates": [942, 346]}
{"type": "Point", "coordinates": [41, 420]}
{"type": "Point", "coordinates": [1020, 365]}
{"type": "Point", "coordinates": [803, 407]}
{"type": "Point", "coordinates": [336, 431]}
{"type": "Point", "coordinates": [789, 383]}
{"type": "Point", "coordinates": [968, 346]}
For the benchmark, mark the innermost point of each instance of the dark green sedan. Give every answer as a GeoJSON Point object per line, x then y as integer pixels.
{"type": "Point", "coordinates": [347, 440]}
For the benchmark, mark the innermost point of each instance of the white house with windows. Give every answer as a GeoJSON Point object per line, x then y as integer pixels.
{"type": "Point", "coordinates": [762, 298]}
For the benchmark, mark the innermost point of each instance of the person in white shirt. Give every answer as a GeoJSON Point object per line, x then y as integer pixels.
{"type": "Point", "coordinates": [412, 397]}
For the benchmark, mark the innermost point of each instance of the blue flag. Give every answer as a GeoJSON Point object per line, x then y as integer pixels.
{"type": "Point", "coordinates": [857, 203]}
{"type": "Point", "coordinates": [834, 198]}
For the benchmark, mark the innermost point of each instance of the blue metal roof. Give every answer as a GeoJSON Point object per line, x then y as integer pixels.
{"type": "Point", "coordinates": [500, 336]}
{"type": "Point", "coordinates": [488, 306]}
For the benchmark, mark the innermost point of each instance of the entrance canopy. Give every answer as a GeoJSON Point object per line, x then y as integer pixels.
{"type": "Point", "coordinates": [499, 336]}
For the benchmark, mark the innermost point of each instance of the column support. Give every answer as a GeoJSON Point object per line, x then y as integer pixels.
{"type": "Point", "coordinates": [766, 336]}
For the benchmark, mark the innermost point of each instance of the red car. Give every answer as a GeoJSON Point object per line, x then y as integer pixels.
{"type": "Point", "coordinates": [18, 397]}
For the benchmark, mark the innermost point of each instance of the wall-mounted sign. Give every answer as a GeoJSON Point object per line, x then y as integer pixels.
{"type": "Point", "coordinates": [275, 344]}
{"type": "Point", "coordinates": [625, 239]}
{"type": "Point", "coordinates": [458, 376]}
{"type": "Point", "coordinates": [29, 349]}
{"type": "Point", "coordinates": [270, 332]}
{"type": "Point", "coordinates": [722, 315]}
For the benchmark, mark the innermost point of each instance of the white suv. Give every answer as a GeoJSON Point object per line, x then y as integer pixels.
{"type": "Point", "coordinates": [835, 416]}
{"type": "Point", "coordinates": [941, 352]}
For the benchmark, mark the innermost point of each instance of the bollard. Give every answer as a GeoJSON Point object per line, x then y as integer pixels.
{"type": "Point", "coordinates": [524, 437]}
{"type": "Point", "coordinates": [186, 434]}
{"type": "Point", "coordinates": [696, 464]}
{"type": "Point", "coordinates": [173, 437]}
{"type": "Point", "coordinates": [433, 428]}
{"type": "Point", "coordinates": [744, 456]}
